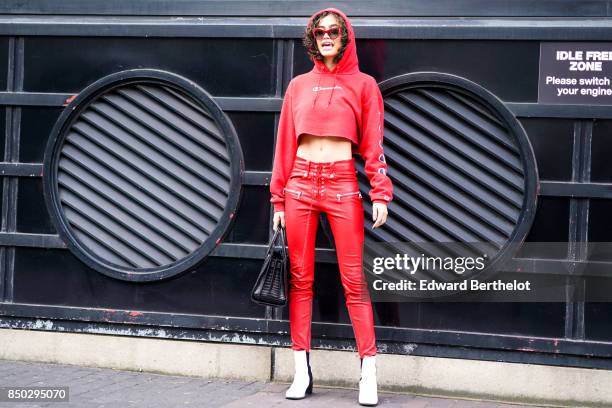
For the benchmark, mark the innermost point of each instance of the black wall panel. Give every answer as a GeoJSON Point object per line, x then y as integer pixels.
{"type": "Point", "coordinates": [36, 125]}
{"type": "Point", "coordinates": [552, 141]}
{"type": "Point", "coordinates": [224, 67]}
{"type": "Point", "coordinates": [32, 215]}
{"type": "Point", "coordinates": [601, 151]}
{"type": "Point", "coordinates": [208, 290]}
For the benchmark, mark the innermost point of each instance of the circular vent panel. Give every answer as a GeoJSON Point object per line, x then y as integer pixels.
{"type": "Point", "coordinates": [463, 170]}
{"type": "Point", "coordinates": [143, 174]}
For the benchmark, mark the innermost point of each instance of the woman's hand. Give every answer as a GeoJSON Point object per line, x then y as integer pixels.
{"type": "Point", "coordinates": [379, 214]}
{"type": "Point", "coordinates": [279, 217]}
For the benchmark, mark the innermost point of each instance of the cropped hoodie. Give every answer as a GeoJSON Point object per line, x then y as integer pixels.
{"type": "Point", "coordinates": [343, 102]}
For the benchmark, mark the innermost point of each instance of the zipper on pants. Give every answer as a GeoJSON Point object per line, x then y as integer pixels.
{"type": "Point", "coordinates": [299, 193]}
{"type": "Point", "coordinates": [339, 195]}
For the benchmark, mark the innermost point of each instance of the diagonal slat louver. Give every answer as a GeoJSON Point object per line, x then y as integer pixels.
{"type": "Point", "coordinates": [143, 175]}
{"type": "Point", "coordinates": [464, 173]}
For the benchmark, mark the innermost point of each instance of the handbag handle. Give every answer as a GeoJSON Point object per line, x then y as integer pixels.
{"type": "Point", "coordinates": [283, 241]}
{"type": "Point", "coordinates": [280, 232]}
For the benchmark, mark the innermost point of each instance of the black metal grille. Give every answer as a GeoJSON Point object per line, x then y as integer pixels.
{"type": "Point", "coordinates": [144, 176]}
{"type": "Point", "coordinates": [458, 169]}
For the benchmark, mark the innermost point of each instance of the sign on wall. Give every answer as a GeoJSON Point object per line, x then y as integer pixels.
{"type": "Point", "coordinates": [575, 73]}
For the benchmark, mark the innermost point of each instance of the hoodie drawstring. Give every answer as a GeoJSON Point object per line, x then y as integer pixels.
{"type": "Point", "coordinates": [332, 91]}
{"type": "Point", "coordinates": [317, 93]}
{"type": "Point", "coordinates": [331, 94]}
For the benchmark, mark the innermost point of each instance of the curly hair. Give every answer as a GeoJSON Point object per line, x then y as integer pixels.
{"type": "Point", "coordinates": [311, 43]}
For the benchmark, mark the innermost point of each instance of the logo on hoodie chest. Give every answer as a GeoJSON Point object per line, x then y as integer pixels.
{"type": "Point", "coordinates": [325, 88]}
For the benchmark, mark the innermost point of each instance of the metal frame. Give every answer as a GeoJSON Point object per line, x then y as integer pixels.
{"type": "Point", "coordinates": [269, 19]}
{"type": "Point", "coordinates": [422, 26]}
{"type": "Point", "coordinates": [273, 332]}
{"type": "Point", "coordinates": [11, 155]}
{"type": "Point", "coordinates": [281, 8]}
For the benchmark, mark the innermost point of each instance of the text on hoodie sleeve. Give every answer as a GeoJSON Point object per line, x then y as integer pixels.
{"type": "Point", "coordinates": [370, 143]}
{"type": "Point", "coordinates": [284, 152]}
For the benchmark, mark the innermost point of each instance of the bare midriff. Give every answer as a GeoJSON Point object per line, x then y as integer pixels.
{"type": "Point", "coordinates": [324, 148]}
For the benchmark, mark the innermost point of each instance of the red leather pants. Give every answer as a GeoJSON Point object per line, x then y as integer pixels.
{"type": "Point", "coordinates": [330, 187]}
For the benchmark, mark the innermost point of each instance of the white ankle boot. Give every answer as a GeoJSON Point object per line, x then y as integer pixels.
{"type": "Point", "coordinates": [302, 382]}
{"type": "Point", "coordinates": [368, 393]}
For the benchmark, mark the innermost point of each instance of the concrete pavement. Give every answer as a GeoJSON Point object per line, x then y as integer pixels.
{"type": "Point", "coordinates": [91, 387]}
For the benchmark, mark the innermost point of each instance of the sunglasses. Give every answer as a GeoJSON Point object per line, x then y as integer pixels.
{"type": "Point", "coordinates": [333, 33]}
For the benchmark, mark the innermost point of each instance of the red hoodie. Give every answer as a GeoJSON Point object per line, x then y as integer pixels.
{"type": "Point", "coordinates": [344, 102]}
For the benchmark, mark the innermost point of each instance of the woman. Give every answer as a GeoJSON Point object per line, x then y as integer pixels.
{"type": "Point", "coordinates": [327, 115]}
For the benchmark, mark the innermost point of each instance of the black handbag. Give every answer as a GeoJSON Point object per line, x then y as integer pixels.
{"type": "Point", "coordinates": [271, 286]}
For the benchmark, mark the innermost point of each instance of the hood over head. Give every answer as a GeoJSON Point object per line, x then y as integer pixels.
{"type": "Point", "coordinates": [348, 64]}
